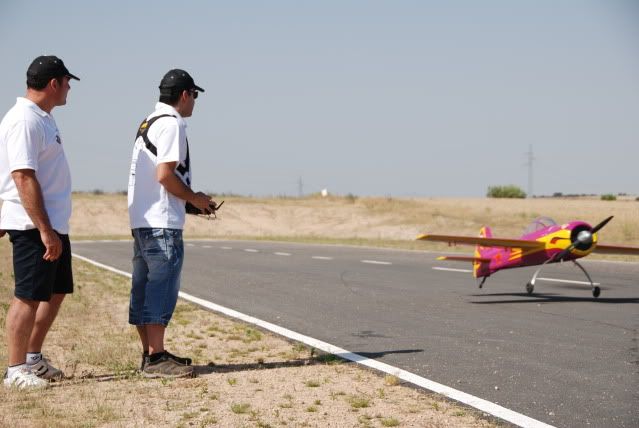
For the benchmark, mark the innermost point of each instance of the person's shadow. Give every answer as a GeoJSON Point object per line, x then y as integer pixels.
{"type": "Point", "coordinates": [313, 360]}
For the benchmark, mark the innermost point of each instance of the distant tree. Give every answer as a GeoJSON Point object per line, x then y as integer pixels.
{"type": "Point", "coordinates": [510, 191]}
{"type": "Point", "coordinates": [608, 197]}
{"type": "Point", "coordinates": [557, 195]}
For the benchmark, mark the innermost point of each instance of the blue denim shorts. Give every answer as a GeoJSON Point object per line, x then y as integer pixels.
{"type": "Point", "coordinates": [157, 264]}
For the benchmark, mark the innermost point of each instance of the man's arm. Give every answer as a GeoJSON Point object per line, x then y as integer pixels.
{"type": "Point", "coordinates": [33, 203]}
{"type": "Point", "coordinates": [165, 174]}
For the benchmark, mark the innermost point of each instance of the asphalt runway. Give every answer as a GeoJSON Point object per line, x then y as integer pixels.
{"type": "Point", "coordinates": [559, 356]}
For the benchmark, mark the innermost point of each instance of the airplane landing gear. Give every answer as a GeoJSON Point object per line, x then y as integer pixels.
{"type": "Point", "coordinates": [530, 286]}
{"type": "Point", "coordinates": [596, 291]}
{"type": "Point", "coordinates": [481, 283]}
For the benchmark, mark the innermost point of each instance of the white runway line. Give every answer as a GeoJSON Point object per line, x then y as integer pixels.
{"type": "Point", "coordinates": [567, 281]}
{"type": "Point", "coordinates": [103, 266]}
{"type": "Point", "coordinates": [375, 262]}
{"type": "Point", "coordinates": [282, 254]}
{"type": "Point", "coordinates": [322, 258]}
{"type": "Point", "coordinates": [251, 250]}
{"type": "Point", "coordinates": [451, 269]}
{"type": "Point", "coordinates": [454, 394]}
{"type": "Point", "coordinates": [206, 246]}
{"type": "Point", "coordinates": [226, 248]}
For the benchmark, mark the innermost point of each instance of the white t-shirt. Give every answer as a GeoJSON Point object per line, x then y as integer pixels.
{"type": "Point", "coordinates": [150, 204]}
{"type": "Point", "coordinates": [30, 139]}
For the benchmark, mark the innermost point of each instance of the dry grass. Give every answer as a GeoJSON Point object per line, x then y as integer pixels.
{"type": "Point", "coordinates": [246, 377]}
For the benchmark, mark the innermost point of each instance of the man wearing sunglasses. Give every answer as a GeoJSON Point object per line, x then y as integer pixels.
{"type": "Point", "coordinates": [159, 187]}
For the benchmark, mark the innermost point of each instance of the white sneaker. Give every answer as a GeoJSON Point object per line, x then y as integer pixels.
{"type": "Point", "coordinates": [44, 370]}
{"type": "Point", "coordinates": [24, 378]}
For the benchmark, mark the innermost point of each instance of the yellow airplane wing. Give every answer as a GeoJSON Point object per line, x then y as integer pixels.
{"type": "Point", "coordinates": [484, 242]}
{"type": "Point", "coordinates": [616, 249]}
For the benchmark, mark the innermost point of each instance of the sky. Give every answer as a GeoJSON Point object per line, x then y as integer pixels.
{"type": "Point", "coordinates": [372, 98]}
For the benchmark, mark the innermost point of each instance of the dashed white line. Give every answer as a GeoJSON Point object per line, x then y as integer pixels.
{"type": "Point", "coordinates": [451, 269]}
{"type": "Point", "coordinates": [206, 246]}
{"type": "Point", "coordinates": [282, 254]}
{"type": "Point", "coordinates": [376, 262]}
{"type": "Point", "coordinates": [226, 248]}
{"type": "Point", "coordinates": [321, 258]}
{"type": "Point", "coordinates": [190, 245]}
{"type": "Point", "coordinates": [251, 250]}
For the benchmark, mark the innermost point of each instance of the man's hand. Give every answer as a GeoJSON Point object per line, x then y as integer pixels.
{"type": "Point", "coordinates": [52, 243]}
{"type": "Point", "coordinates": [203, 202]}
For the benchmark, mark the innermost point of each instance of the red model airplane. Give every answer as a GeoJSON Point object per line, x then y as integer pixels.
{"type": "Point", "coordinates": [543, 242]}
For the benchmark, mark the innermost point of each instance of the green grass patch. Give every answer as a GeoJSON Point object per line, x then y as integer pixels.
{"type": "Point", "coordinates": [240, 408]}
{"type": "Point", "coordinates": [389, 422]}
{"type": "Point", "coordinates": [358, 402]}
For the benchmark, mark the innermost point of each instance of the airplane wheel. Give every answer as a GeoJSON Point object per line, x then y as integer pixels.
{"type": "Point", "coordinates": [529, 288]}
{"type": "Point", "coordinates": [596, 292]}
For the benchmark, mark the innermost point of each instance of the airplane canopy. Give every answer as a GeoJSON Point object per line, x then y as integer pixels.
{"type": "Point", "coordinates": [538, 224]}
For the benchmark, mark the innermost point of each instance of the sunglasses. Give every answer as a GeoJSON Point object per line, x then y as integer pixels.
{"type": "Point", "coordinates": [194, 93]}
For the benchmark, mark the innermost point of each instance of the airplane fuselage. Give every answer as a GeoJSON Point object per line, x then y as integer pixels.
{"type": "Point", "coordinates": [555, 239]}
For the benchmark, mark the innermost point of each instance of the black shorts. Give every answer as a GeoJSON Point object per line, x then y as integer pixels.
{"type": "Point", "coordinates": [36, 278]}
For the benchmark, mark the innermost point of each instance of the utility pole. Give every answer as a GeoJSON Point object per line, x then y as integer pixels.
{"type": "Point", "coordinates": [300, 187]}
{"type": "Point", "coordinates": [529, 164]}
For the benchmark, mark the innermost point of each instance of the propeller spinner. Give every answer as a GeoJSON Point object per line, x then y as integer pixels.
{"type": "Point", "coordinates": [583, 239]}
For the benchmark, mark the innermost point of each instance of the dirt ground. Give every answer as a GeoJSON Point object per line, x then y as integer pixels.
{"type": "Point", "coordinates": [246, 377]}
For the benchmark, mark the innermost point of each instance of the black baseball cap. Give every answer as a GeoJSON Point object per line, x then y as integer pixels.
{"type": "Point", "coordinates": [179, 80]}
{"type": "Point", "coordinates": [47, 67]}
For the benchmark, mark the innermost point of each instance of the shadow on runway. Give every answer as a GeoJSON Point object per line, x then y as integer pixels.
{"type": "Point", "coordinates": [375, 355]}
{"type": "Point", "coordinates": [549, 298]}
{"type": "Point", "coordinates": [318, 359]}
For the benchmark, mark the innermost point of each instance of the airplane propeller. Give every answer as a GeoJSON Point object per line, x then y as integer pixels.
{"type": "Point", "coordinates": [583, 238]}
{"type": "Point", "coordinates": [600, 225]}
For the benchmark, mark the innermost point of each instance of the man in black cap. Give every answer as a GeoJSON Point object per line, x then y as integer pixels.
{"type": "Point", "coordinates": [35, 185]}
{"type": "Point", "coordinates": [159, 188]}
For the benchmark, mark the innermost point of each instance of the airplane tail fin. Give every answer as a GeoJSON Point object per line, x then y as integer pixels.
{"type": "Point", "coordinates": [481, 265]}
{"type": "Point", "coordinates": [485, 232]}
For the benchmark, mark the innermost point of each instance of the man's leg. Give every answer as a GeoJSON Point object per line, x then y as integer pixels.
{"type": "Point", "coordinates": [20, 320]}
{"type": "Point", "coordinates": [144, 339]}
{"type": "Point", "coordinates": [155, 336]}
{"type": "Point", "coordinates": [159, 258]}
{"type": "Point", "coordinates": [19, 323]}
{"type": "Point", "coordinates": [59, 280]}
{"type": "Point", "coordinates": [164, 261]}
{"type": "Point", "coordinates": [152, 337]}
{"type": "Point", "coordinates": [138, 285]}
{"type": "Point", "coordinates": [47, 311]}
